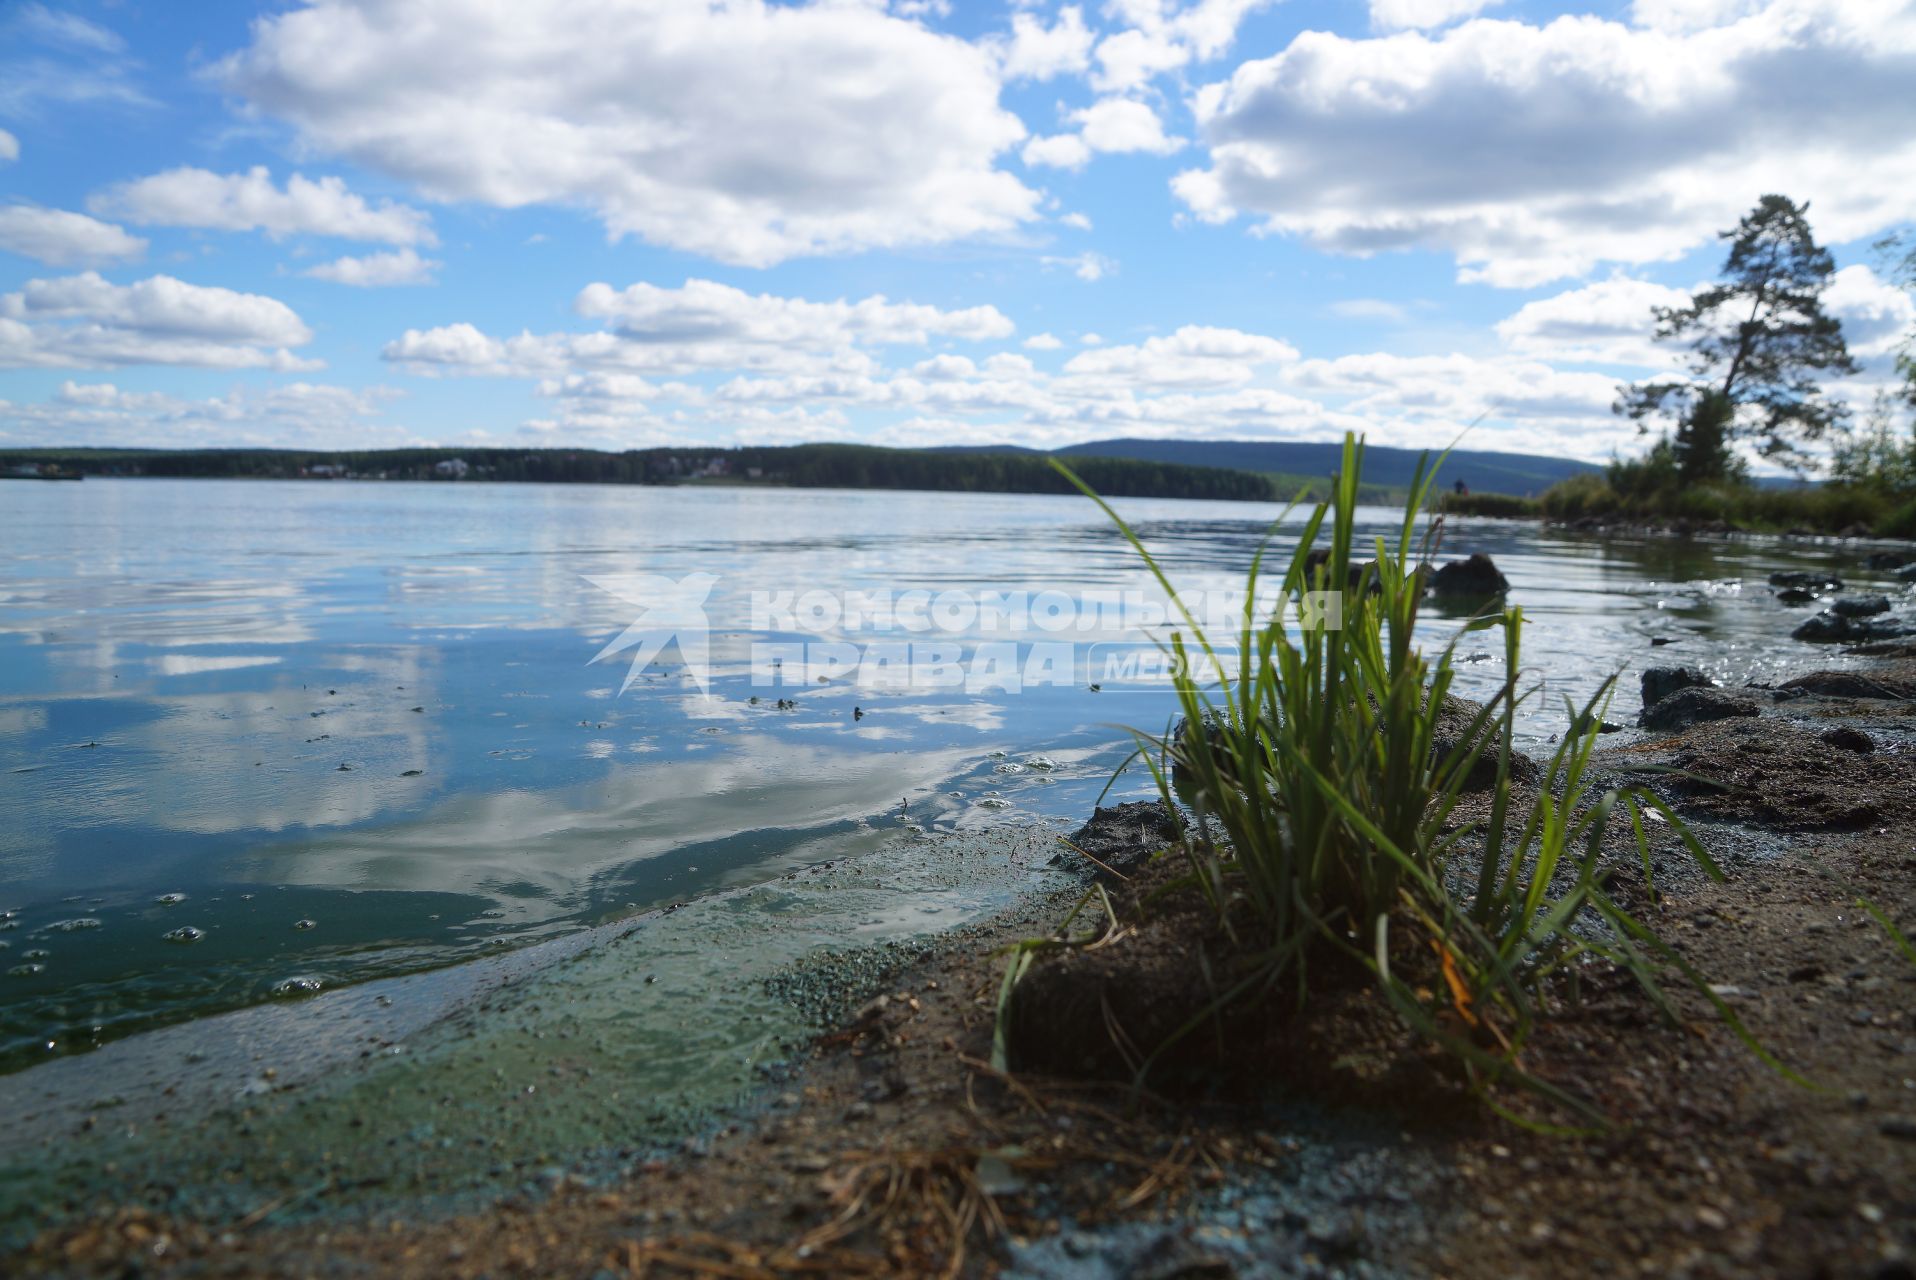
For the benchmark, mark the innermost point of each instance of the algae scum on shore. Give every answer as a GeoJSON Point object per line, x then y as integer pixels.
{"type": "Point", "coordinates": [657, 904]}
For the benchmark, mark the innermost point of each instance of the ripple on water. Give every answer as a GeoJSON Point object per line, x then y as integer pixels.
{"type": "Point", "coordinates": [77, 925]}
{"type": "Point", "coordinates": [296, 987]}
{"type": "Point", "coordinates": [170, 899]}
{"type": "Point", "coordinates": [186, 933]}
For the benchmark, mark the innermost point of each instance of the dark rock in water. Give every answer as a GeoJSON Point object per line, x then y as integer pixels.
{"type": "Point", "coordinates": [1849, 739]}
{"type": "Point", "coordinates": [1356, 575]}
{"type": "Point", "coordinates": [1907, 573]}
{"type": "Point", "coordinates": [1694, 705]}
{"type": "Point", "coordinates": [1796, 595]}
{"type": "Point", "coordinates": [1889, 561]}
{"type": "Point", "coordinates": [1122, 838]}
{"type": "Point", "coordinates": [1838, 684]}
{"type": "Point", "coordinates": [1453, 732]}
{"type": "Point", "coordinates": [1824, 628]}
{"type": "Point", "coordinates": [1660, 682]}
{"type": "Point", "coordinates": [1477, 577]}
{"type": "Point", "coordinates": [1830, 626]}
{"type": "Point", "coordinates": [1860, 607]}
{"type": "Point", "coordinates": [1807, 581]}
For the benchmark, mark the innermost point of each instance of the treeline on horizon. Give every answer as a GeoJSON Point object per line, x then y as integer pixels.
{"type": "Point", "coordinates": [806, 466]}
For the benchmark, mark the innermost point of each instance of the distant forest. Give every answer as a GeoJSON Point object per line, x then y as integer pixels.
{"type": "Point", "coordinates": [808, 466]}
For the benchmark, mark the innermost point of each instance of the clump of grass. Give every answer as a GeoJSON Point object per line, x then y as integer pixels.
{"type": "Point", "coordinates": [1319, 767]}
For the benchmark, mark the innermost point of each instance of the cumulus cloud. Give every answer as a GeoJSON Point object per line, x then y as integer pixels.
{"type": "Point", "coordinates": [250, 201]}
{"type": "Point", "coordinates": [1610, 322]}
{"type": "Point", "coordinates": [1037, 52]}
{"type": "Point", "coordinates": [1532, 153]}
{"type": "Point", "coordinates": [1058, 151]}
{"type": "Point", "coordinates": [1165, 35]}
{"type": "Point", "coordinates": [1042, 342]}
{"type": "Point", "coordinates": [377, 270]}
{"type": "Point", "coordinates": [747, 132]}
{"type": "Point", "coordinates": [1877, 317]}
{"type": "Point", "coordinates": [1194, 356]}
{"type": "Point", "coordinates": [61, 238]}
{"type": "Point", "coordinates": [1124, 124]}
{"type": "Point", "coordinates": [85, 321]}
{"type": "Point", "coordinates": [701, 325]}
{"type": "Point", "coordinates": [297, 413]}
{"type": "Point", "coordinates": [9, 146]}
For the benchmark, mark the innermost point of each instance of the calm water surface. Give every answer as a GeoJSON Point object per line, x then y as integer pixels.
{"type": "Point", "coordinates": [349, 730]}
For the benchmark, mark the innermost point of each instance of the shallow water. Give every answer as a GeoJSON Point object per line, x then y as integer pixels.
{"type": "Point", "coordinates": [259, 738]}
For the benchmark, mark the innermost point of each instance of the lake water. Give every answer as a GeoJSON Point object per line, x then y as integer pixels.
{"type": "Point", "coordinates": [339, 732]}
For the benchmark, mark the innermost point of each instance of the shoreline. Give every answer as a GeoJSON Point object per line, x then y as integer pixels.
{"type": "Point", "coordinates": [894, 1118]}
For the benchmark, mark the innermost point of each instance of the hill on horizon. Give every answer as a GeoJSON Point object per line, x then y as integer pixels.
{"type": "Point", "coordinates": [1485, 471]}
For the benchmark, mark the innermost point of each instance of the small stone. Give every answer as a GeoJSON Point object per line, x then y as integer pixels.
{"type": "Point", "coordinates": [1900, 1127]}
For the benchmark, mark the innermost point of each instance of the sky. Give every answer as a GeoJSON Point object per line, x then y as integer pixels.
{"type": "Point", "coordinates": [626, 223]}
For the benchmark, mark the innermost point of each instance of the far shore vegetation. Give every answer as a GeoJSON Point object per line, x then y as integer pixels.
{"type": "Point", "coordinates": [1761, 345]}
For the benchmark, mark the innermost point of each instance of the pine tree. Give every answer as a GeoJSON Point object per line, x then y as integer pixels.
{"type": "Point", "coordinates": [1758, 338]}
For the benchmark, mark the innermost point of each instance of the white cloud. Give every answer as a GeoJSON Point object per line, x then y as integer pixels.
{"type": "Point", "coordinates": [1532, 153]}
{"type": "Point", "coordinates": [1042, 342]}
{"type": "Point", "coordinates": [1132, 59]}
{"type": "Point", "coordinates": [1163, 35]}
{"type": "Point", "coordinates": [1124, 124]}
{"type": "Point", "coordinates": [85, 321]}
{"type": "Point", "coordinates": [1077, 221]}
{"type": "Point", "coordinates": [250, 201]}
{"type": "Point", "coordinates": [699, 326]}
{"type": "Point", "coordinates": [747, 132]}
{"type": "Point", "coordinates": [1611, 322]}
{"type": "Point", "coordinates": [704, 311]}
{"type": "Point", "coordinates": [9, 146]}
{"type": "Point", "coordinates": [1059, 151]}
{"type": "Point", "coordinates": [1089, 266]}
{"type": "Point", "coordinates": [1400, 15]}
{"type": "Point", "coordinates": [1194, 356]}
{"type": "Point", "coordinates": [295, 414]}
{"type": "Point", "coordinates": [1608, 323]}
{"type": "Point", "coordinates": [56, 57]}
{"type": "Point", "coordinates": [376, 270]}
{"type": "Point", "coordinates": [1038, 52]}
{"type": "Point", "coordinates": [1877, 317]}
{"type": "Point", "coordinates": [62, 238]}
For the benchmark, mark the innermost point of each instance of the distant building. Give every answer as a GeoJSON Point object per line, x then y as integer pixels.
{"type": "Point", "coordinates": [451, 469]}
{"type": "Point", "coordinates": [326, 471]}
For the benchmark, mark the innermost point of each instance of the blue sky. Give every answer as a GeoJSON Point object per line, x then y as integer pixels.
{"type": "Point", "coordinates": [619, 223]}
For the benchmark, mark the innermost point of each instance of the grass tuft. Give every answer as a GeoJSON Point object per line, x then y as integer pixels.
{"type": "Point", "coordinates": [1318, 769]}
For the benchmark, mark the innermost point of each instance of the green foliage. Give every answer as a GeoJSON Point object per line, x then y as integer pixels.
{"type": "Point", "coordinates": [836, 466]}
{"type": "Point", "coordinates": [1757, 341]}
{"type": "Point", "coordinates": [1333, 805]}
{"type": "Point", "coordinates": [1503, 506]}
{"type": "Point", "coordinates": [1876, 455]}
{"type": "Point", "coordinates": [1825, 508]}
